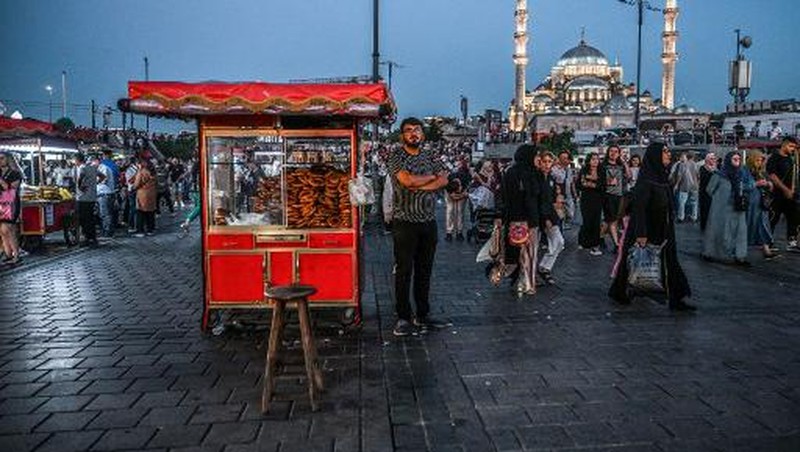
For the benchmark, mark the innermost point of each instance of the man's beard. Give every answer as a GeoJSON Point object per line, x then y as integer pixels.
{"type": "Point", "coordinates": [412, 145]}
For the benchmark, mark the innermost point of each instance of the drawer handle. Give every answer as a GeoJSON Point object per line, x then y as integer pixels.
{"type": "Point", "coordinates": [330, 242]}
{"type": "Point", "coordinates": [229, 243]}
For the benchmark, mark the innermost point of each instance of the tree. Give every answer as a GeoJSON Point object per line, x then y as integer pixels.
{"type": "Point", "coordinates": [433, 133]}
{"type": "Point", "coordinates": [183, 147]}
{"type": "Point", "coordinates": [559, 142]}
{"type": "Point", "coordinates": [64, 125]}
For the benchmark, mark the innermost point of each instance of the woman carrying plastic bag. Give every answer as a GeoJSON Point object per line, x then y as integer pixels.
{"type": "Point", "coordinates": [652, 222]}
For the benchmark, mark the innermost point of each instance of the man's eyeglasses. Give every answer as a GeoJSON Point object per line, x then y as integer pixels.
{"type": "Point", "coordinates": [412, 130]}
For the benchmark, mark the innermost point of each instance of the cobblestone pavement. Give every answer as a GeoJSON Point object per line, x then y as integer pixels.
{"type": "Point", "coordinates": [101, 350]}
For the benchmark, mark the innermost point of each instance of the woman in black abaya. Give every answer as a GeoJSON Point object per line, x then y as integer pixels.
{"type": "Point", "coordinates": [652, 221]}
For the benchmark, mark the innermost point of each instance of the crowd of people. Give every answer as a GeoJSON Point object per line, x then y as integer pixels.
{"type": "Point", "coordinates": [111, 194]}
{"type": "Point", "coordinates": [624, 201]}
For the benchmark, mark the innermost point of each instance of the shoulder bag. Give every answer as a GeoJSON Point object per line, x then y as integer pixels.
{"type": "Point", "coordinates": [518, 233]}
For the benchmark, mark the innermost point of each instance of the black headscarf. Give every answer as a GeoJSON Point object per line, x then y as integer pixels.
{"type": "Point", "coordinates": [653, 169]}
{"type": "Point", "coordinates": [734, 176]}
{"type": "Point", "coordinates": [523, 157]}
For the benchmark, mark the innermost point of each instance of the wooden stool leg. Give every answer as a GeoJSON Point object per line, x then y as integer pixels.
{"type": "Point", "coordinates": [316, 368]}
{"type": "Point", "coordinates": [275, 333]}
{"type": "Point", "coordinates": [309, 351]}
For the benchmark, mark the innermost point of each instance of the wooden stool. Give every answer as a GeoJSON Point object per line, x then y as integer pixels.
{"type": "Point", "coordinates": [281, 295]}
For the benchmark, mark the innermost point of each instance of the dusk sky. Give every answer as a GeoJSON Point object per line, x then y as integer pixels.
{"type": "Point", "coordinates": [447, 47]}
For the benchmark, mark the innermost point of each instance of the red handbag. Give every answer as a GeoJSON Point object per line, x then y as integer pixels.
{"type": "Point", "coordinates": [518, 233]}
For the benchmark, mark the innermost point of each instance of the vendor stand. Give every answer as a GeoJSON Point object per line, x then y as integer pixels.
{"type": "Point", "coordinates": [44, 209]}
{"type": "Point", "coordinates": [275, 160]}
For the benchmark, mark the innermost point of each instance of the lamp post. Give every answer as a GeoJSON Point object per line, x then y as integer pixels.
{"type": "Point", "coordinates": [147, 79]}
{"type": "Point", "coordinates": [49, 90]}
{"type": "Point", "coordinates": [376, 55]}
{"type": "Point", "coordinates": [641, 5]}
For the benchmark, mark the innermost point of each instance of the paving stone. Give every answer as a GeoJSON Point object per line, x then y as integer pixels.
{"type": "Point", "coordinates": [118, 419]}
{"type": "Point", "coordinates": [67, 421]}
{"type": "Point", "coordinates": [112, 401]}
{"type": "Point", "coordinates": [162, 416]}
{"type": "Point", "coordinates": [62, 375]}
{"type": "Point", "coordinates": [70, 441]}
{"type": "Point", "coordinates": [21, 405]}
{"type": "Point", "coordinates": [544, 437]}
{"type": "Point", "coordinates": [232, 433]}
{"type": "Point", "coordinates": [160, 399]}
{"type": "Point", "coordinates": [20, 423]}
{"type": "Point", "coordinates": [179, 436]}
{"type": "Point", "coordinates": [129, 438]}
{"type": "Point", "coordinates": [208, 414]}
{"type": "Point", "coordinates": [20, 390]}
{"type": "Point", "coordinates": [66, 388]}
{"type": "Point", "coordinates": [22, 443]}
{"type": "Point", "coordinates": [107, 386]}
{"type": "Point", "coordinates": [66, 403]}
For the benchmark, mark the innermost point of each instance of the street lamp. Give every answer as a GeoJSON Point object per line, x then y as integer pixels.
{"type": "Point", "coordinates": [49, 90]}
{"type": "Point", "coordinates": [641, 6]}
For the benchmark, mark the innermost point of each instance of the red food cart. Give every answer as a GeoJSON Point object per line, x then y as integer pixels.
{"type": "Point", "coordinates": [275, 164]}
{"type": "Point", "coordinates": [40, 217]}
{"type": "Point", "coordinates": [44, 209]}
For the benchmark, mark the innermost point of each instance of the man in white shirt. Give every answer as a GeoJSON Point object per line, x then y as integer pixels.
{"type": "Point", "coordinates": [130, 174]}
{"type": "Point", "coordinates": [775, 133]}
{"type": "Point", "coordinates": [105, 197]}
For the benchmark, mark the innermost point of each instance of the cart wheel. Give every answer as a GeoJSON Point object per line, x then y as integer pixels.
{"type": "Point", "coordinates": [32, 243]}
{"type": "Point", "coordinates": [348, 317]}
{"type": "Point", "coordinates": [71, 234]}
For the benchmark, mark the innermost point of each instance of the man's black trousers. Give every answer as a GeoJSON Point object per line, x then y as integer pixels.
{"type": "Point", "coordinates": [86, 220]}
{"type": "Point", "coordinates": [414, 250]}
{"type": "Point", "coordinates": [789, 209]}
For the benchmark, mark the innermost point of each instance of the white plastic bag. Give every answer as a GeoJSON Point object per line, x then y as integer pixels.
{"type": "Point", "coordinates": [493, 248]}
{"type": "Point", "coordinates": [482, 198]}
{"type": "Point", "coordinates": [484, 255]}
{"type": "Point", "coordinates": [644, 268]}
{"type": "Point", "coordinates": [361, 191]}
{"type": "Point", "coordinates": [388, 197]}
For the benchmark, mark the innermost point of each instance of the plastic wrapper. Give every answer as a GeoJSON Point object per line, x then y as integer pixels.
{"type": "Point", "coordinates": [361, 191]}
{"type": "Point", "coordinates": [644, 268]}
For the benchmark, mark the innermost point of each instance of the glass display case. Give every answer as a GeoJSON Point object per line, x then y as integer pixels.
{"type": "Point", "coordinates": [245, 181]}
{"type": "Point", "coordinates": [317, 176]}
{"type": "Point", "coordinates": [271, 180]}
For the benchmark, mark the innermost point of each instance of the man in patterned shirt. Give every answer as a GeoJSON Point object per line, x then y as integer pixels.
{"type": "Point", "coordinates": [416, 177]}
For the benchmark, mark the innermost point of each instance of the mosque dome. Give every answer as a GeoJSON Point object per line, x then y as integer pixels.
{"type": "Point", "coordinates": [583, 55]}
{"type": "Point", "coordinates": [618, 102]}
{"type": "Point", "coordinates": [585, 82]}
{"type": "Point", "coordinates": [684, 109]}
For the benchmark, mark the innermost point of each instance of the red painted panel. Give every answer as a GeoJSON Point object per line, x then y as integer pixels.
{"type": "Point", "coordinates": [32, 219]}
{"type": "Point", "coordinates": [330, 273]}
{"type": "Point", "coordinates": [299, 244]}
{"type": "Point", "coordinates": [331, 240]}
{"type": "Point", "coordinates": [281, 268]}
{"type": "Point", "coordinates": [231, 242]}
{"type": "Point", "coordinates": [236, 277]}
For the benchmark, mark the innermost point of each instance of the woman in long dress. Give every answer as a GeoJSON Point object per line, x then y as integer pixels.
{"type": "Point", "coordinates": [759, 232]}
{"type": "Point", "coordinates": [652, 221]}
{"type": "Point", "coordinates": [519, 202]}
{"type": "Point", "coordinates": [725, 238]}
{"type": "Point", "coordinates": [706, 171]}
{"type": "Point", "coordinates": [590, 186]}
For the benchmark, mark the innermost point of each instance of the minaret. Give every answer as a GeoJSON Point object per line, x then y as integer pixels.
{"type": "Point", "coordinates": [669, 54]}
{"type": "Point", "coordinates": [520, 62]}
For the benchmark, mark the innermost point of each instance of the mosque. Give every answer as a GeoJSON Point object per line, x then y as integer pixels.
{"type": "Point", "coordinates": [585, 91]}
